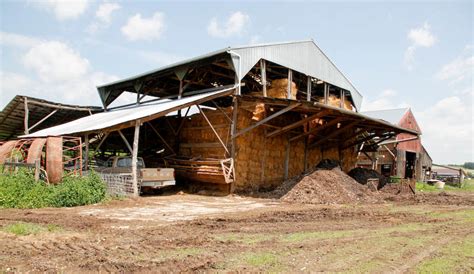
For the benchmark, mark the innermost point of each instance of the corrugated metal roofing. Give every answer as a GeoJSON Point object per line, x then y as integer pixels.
{"type": "Point", "coordinates": [302, 56]}
{"type": "Point", "coordinates": [110, 119]}
{"type": "Point", "coordinates": [390, 115]}
{"type": "Point", "coordinates": [12, 116]}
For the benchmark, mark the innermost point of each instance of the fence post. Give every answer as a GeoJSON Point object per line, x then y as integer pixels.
{"type": "Point", "coordinates": [37, 170]}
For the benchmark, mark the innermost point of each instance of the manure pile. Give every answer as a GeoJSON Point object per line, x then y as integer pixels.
{"type": "Point", "coordinates": [324, 187]}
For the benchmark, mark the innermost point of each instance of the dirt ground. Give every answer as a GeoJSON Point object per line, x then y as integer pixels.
{"type": "Point", "coordinates": [201, 233]}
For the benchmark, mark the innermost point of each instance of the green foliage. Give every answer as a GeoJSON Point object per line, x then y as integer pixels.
{"type": "Point", "coordinates": [21, 191]}
{"type": "Point", "coordinates": [469, 165]}
{"type": "Point", "coordinates": [22, 229]}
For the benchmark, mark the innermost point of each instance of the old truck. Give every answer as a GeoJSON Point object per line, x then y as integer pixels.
{"type": "Point", "coordinates": [148, 178]}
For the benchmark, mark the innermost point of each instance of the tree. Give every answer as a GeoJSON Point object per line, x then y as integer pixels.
{"type": "Point", "coordinates": [469, 165]}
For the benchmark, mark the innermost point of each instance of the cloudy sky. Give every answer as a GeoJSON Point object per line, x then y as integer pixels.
{"type": "Point", "coordinates": [397, 54]}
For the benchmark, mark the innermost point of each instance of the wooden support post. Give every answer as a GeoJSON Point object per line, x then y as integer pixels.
{"type": "Point", "coordinates": [233, 131]}
{"type": "Point", "coordinates": [43, 119]}
{"type": "Point", "coordinates": [308, 89]}
{"type": "Point", "coordinates": [213, 129]}
{"type": "Point", "coordinates": [290, 80]}
{"type": "Point", "coordinates": [265, 120]}
{"type": "Point", "coordinates": [162, 139]}
{"type": "Point", "coordinates": [125, 141]}
{"type": "Point", "coordinates": [306, 154]}
{"type": "Point", "coordinates": [136, 137]}
{"type": "Point", "coordinates": [287, 157]}
{"type": "Point", "coordinates": [263, 71]}
{"type": "Point", "coordinates": [341, 103]}
{"type": "Point", "coordinates": [101, 142]}
{"type": "Point", "coordinates": [27, 114]}
{"type": "Point", "coordinates": [37, 169]}
{"type": "Point", "coordinates": [86, 152]}
{"type": "Point", "coordinates": [326, 93]}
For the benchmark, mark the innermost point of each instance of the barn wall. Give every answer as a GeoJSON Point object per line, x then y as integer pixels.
{"type": "Point", "coordinates": [408, 121]}
{"type": "Point", "coordinates": [260, 161]}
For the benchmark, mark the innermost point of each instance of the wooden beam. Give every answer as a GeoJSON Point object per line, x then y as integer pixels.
{"type": "Point", "coordinates": [161, 137]}
{"type": "Point", "coordinates": [263, 71]}
{"type": "Point", "coordinates": [299, 123]}
{"type": "Point", "coordinates": [213, 129]}
{"type": "Point", "coordinates": [125, 141]}
{"type": "Point", "coordinates": [335, 133]}
{"type": "Point", "coordinates": [101, 142]}
{"type": "Point", "coordinates": [290, 81]}
{"type": "Point", "coordinates": [43, 119]}
{"type": "Point", "coordinates": [86, 152]}
{"type": "Point", "coordinates": [267, 119]}
{"type": "Point", "coordinates": [233, 130]}
{"type": "Point", "coordinates": [326, 93]}
{"type": "Point", "coordinates": [287, 157]}
{"type": "Point", "coordinates": [59, 106]}
{"type": "Point", "coordinates": [27, 114]}
{"type": "Point", "coordinates": [318, 129]}
{"type": "Point", "coordinates": [136, 137]}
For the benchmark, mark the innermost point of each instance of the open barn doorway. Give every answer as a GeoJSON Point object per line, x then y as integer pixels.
{"type": "Point", "coordinates": [410, 165]}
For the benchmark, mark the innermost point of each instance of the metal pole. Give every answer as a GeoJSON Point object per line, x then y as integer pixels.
{"type": "Point", "coordinates": [86, 158]}
{"type": "Point", "coordinates": [263, 70]}
{"type": "Point", "coordinates": [290, 80]}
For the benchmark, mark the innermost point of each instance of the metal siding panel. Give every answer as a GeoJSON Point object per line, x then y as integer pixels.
{"type": "Point", "coordinates": [303, 57]}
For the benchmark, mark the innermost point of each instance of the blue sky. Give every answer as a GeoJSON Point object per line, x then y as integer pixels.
{"type": "Point", "coordinates": [397, 54]}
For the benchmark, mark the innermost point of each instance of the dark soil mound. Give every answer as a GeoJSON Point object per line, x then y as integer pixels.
{"type": "Point", "coordinates": [362, 174]}
{"type": "Point", "coordinates": [328, 164]}
{"type": "Point", "coordinates": [324, 187]}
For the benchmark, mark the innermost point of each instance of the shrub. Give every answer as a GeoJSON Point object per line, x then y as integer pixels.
{"type": "Point", "coordinates": [21, 191]}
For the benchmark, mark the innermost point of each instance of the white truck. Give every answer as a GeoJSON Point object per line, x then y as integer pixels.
{"type": "Point", "coordinates": [148, 178]}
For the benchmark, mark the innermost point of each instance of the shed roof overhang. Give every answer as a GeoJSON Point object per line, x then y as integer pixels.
{"type": "Point", "coordinates": [41, 114]}
{"type": "Point", "coordinates": [124, 118]}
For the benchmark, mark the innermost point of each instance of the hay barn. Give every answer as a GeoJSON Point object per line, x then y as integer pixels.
{"type": "Point", "coordinates": [237, 119]}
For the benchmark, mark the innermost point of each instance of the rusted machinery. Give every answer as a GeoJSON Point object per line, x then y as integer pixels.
{"type": "Point", "coordinates": [57, 156]}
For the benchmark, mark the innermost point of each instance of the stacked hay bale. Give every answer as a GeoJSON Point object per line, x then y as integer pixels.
{"type": "Point", "coordinates": [335, 102]}
{"type": "Point", "coordinates": [278, 89]}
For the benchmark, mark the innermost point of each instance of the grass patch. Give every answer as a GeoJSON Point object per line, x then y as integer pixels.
{"type": "Point", "coordinates": [20, 190]}
{"type": "Point", "coordinates": [23, 229]}
{"type": "Point", "coordinates": [261, 259]}
{"type": "Point", "coordinates": [462, 214]}
{"type": "Point", "coordinates": [248, 239]}
{"type": "Point", "coordinates": [468, 186]}
{"type": "Point", "coordinates": [453, 258]}
{"type": "Point", "coordinates": [316, 235]}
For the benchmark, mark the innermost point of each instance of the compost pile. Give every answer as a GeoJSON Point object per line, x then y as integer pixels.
{"type": "Point", "coordinates": [324, 186]}
{"type": "Point", "coordinates": [362, 174]}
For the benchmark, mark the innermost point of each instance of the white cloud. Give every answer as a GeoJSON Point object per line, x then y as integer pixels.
{"type": "Point", "coordinates": [17, 40]}
{"type": "Point", "coordinates": [420, 37]}
{"type": "Point", "coordinates": [138, 28]}
{"type": "Point", "coordinates": [61, 74]}
{"type": "Point", "coordinates": [103, 16]}
{"type": "Point", "coordinates": [234, 25]}
{"type": "Point", "coordinates": [459, 69]}
{"type": "Point", "coordinates": [54, 61]}
{"type": "Point", "coordinates": [448, 127]}
{"type": "Point", "coordinates": [383, 101]}
{"type": "Point", "coordinates": [64, 9]}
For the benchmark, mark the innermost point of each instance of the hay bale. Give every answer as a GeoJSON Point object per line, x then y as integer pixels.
{"type": "Point", "coordinates": [279, 89]}
{"type": "Point", "coordinates": [335, 102]}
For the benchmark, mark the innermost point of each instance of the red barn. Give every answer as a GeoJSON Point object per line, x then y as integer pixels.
{"type": "Point", "coordinates": [403, 156]}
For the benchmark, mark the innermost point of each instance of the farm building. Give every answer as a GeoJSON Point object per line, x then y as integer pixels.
{"type": "Point", "coordinates": [24, 114]}
{"type": "Point", "coordinates": [239, 119]}
{"type": "Point", "coordinates": [402, 155]}
{"type": "Point", "coordinates": [448, 174]}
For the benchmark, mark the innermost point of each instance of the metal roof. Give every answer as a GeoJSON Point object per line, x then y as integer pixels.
{"type": "Point", "coordinates": [393, 116]}
{"type": "Point", "coordinates": [106, 120]}
{"type": "Point", "coordinates": [302, 56]}
{"type": "Point", "coordinates": [12, 115]}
